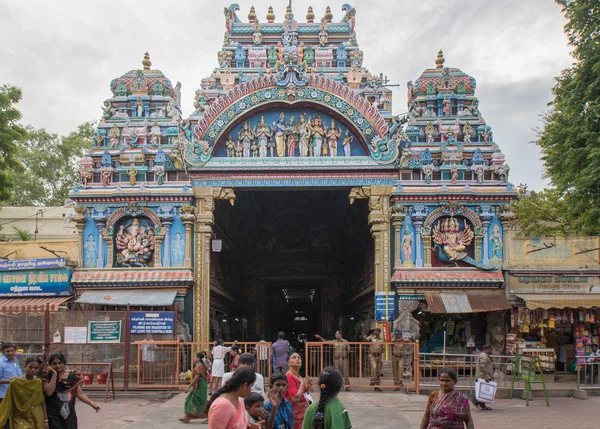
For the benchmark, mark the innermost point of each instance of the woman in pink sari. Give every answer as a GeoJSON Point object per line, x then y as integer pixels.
{"type": "Point", "coordinates": [447, 408]}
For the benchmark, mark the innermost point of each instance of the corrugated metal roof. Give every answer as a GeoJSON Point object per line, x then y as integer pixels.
{"type": "Point", "coordinates": [146, 277]}
{"type": "Point", "coordinates": [472, 302]}
{"type": "Point", "coordinates": [32, 305]}
{"type": "Point", "coordinates": [156, 298]}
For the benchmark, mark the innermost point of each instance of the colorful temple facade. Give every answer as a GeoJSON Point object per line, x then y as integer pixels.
{"type": "Point", "coordinates": [292, 198]}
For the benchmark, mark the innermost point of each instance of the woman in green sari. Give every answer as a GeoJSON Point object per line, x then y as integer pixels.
{"type": "Point", "coordinates": [197, 398]}
{"type": "Point", "coordinates": [24, 406]}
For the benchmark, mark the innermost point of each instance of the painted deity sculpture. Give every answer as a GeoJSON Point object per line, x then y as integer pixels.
{"type": "Point", "coordinates": [139, 108]}
{"type": "Point", "coordinates": [429, 133]}
{"type": "Point", "coordinates": [479, 172]}
{"type": "Point", "coordinates": [496, 240]}
{"type": "Point", "coordinates": [405, 158]}
{"type": "Point", "coordinates": [132, 172]}
{"type": "Point", "coordinates": [263, 134]}
{"type": "Point", "coordinates": [280, 130]}
{"type": "Point", "coordinates": [317, 133]}
{"type": "Point", "coordinates": [303, 135]}
{"type": "Point", "coordinates": [347, 143]}
{"type": "Point", "coordinates": [91, 252]}
{"type": "Point", "coordinates": [291, 137]}
{"type": "Point", "coordinates": [454, 174]}
{"type": "Point", "coordinates": [106, 174]}
{"type": "Point", "coordinates": [427, 173]}
{"type": "Point", "coordinates": [135, 244]}
{"type": "Point", "coordinates": [160, 175]}
{"type": "Point", "coordinates": [407, 248]}
{"type": "Point", "coordinates": [176, 157]}
{"type": "Point", "coordinates": [177, 250]}
{"type": "Point", "coordinates": [229, 147]}
{"type": "Point", "coordinates": [246, 137]}
{"type": "Point", "coordinates": [467, 130]}
{"type": "Point", "coordinates": [333, 136]}
{"type": "Point", "coordinates": [447, 235]}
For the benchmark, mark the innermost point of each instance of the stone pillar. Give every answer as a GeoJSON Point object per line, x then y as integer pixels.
{"type": "Point", "coordinates": [486, 243]}
{"type": "Point", "coordinates": [204, 222]}
{"type": "Point", "coordinates": [418, 223]}
{"type": "Point", "coordinates": [101, 224]}
{"type": "Point", "coordinates": [158, 240]}
{"type": "Point", "coordinates": [379, 221]}
{"type": "Point", "coordinates": [80, 220]}
{"type": "Point", "coordinates": [398, 215]}
{"type": "Point", "coordinates": [507, 219]}
{"type": "Point", "coordinates": [187, 217]}
{"type": "Point", "coordinates": [166, 223]}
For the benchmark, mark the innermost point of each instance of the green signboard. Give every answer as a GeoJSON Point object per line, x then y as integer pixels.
{"type": "Point", "coordinates": [104, 331]}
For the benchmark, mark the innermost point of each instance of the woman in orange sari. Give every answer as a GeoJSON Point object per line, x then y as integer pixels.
{"type": "Point", "coordinates": [298, 392]}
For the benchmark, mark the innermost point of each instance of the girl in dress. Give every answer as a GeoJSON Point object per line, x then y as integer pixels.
{"type": "Point", "coordinates": [329, 412]}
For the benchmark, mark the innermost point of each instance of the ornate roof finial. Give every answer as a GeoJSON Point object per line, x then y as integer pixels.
{"type": "Point", "coordinates": [252, 15]}
{"type": "Point", "coordinates": [310, 15]}
{"type": "Point", "coordinates": [146, 63]}
{"type": "Point", "coordinates": [439, 61]}
{"type": "Point", "coordinates": [288, 12]}
{"type": "Point", "coordinates": [270, 15]}
{"type": "Point", "coordinates": [328, 15]}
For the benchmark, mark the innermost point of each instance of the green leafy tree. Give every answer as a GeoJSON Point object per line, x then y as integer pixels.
{"type": "Point", "coordinates": [542, 213]}
{"type": "Point", "coordinates": [50, 166]}
{"type": "Point", "coordinates": [10, 133]}
{"type": "Point", "coordinates": [570, 138]}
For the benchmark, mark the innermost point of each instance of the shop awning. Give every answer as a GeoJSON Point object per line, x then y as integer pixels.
{"type": "Point", "coordinates": [472, 302]}
{"type": "Point", "coordinates": [146, 298]}
{"type": "Point", "coordinates": [558, 301]}
{"type": "Point", "coordinates": [33, 304]}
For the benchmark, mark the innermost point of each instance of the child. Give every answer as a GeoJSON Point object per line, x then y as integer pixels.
{"type": "Point", "coordinates": [329, 412]}
{"type": "Point", "coordinates": [254, 408]}
{"type": "Point", "coordinates": [279, 409]}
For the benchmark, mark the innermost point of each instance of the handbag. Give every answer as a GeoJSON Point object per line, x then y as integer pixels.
{"type": "Point", "coordinates": [485, 391]}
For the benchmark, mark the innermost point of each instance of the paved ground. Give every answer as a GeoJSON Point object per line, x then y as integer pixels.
{"type": "Point", "coordinates": [367, 410]}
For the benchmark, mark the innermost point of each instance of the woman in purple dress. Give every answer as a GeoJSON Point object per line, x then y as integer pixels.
{"type": "Point", "coordinates": [447, 408]}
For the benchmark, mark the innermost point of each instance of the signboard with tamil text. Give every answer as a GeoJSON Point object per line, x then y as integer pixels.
{"type": "Point", "coordinates": [55, 282]}
{"type": "Point", "coordinates": [104, 331]}
{"type": "Point", "coordinates": [32, 264]}
{"type": "Point", "coordinates": [152, 322]}
{"type": "Point", "coordinates": [380, 305]}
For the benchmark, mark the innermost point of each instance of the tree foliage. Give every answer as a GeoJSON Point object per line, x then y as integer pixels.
{"type": "Point", "coordinates": [50, 166]}
{"type": "Point", "coordinates": [10, 133]}
{"type": "Point", "coordinates": [542, 214]}
{"type": "Point", "coordinates": [570, 138]}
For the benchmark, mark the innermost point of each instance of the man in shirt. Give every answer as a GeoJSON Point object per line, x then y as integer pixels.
{"type": "Point", "coordinates": [247, 359]}
{"type": "Point", "coordinates": [375, 357]}
{"type": "Point", "coordinates": [148, 351]}
{"type": "Point", "coordinates": [340, 355]}
{"type": "Point", "coordinates": [279, 353]}
{"type": "Point", "coordinates": [484, 370]}
{"type": "Point", "coordinates": [9, 368]}
{"type": "Point", "coordinates": [262, 355]}
{"type": "Point", "coordinates": [594, 362]}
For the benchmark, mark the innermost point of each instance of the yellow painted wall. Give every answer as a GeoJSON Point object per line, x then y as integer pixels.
{"type": "Point", "coordinates": [33, 249]}
{"type": "Point", "coordinates": [51, 222]}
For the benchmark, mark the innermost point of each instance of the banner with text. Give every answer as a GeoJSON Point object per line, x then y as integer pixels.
{"type": "Point", "coordinates": [36, 283]}
{"type": "Point", "coordinates": [104, 331]}
{"type": "Point", "coordinates": [152, 322]}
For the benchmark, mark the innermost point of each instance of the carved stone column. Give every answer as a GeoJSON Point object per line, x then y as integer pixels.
{"type": "Point", "coordinates": [80, 220]}
{"type": "Point", "coordinates": [507, 219]}
{"type": "Point", "coordinates": [187, 217]}
{"type": "Point", "coordinates": [158, 241]}
{"type": "Point", "coordinates": [418, 217]}
{"type": "Point", "coordinates": [166, 223]}
{"type": "Point", "coordinates": [101, 223]}
{"type": "Point", "coordinates": [486, 245]}
{"type": "Point", "coordinates": [398, 215]}
{"type": "Point", "coordinates": [205, 219]}
{"type": "Point", "coordinates": [426, 238]}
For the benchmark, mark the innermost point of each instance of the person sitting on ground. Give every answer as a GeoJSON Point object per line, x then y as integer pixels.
{"type": "Point", "coordinates": [226, 409]}
{"type": "Point", "coordinates": [329, 412]}
{"type": "Point", "coordinates": [254, 408]}
{"type": "Point", "coordinates": [247, 359]}
{"type": "Point", "coordinates": [279, 410]}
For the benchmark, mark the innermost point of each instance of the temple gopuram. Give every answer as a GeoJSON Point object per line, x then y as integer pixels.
{"type": "Point", "coordinates": [292, 198]}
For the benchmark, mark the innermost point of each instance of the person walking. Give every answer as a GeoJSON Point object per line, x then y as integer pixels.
{"type": "Point", "coordinates": [24, 404]}
{"type": "Point", "coordinates": [329, 412]}
{"type": "Point", "coordinates": [226, 409]}
{"type": "Point", "coordinates": [247, 359]}
{"type": "Point", "coordinates": [298, 392]}
{"type": "Point", "coordinates": [484, 370]}
{"type": "Point", "coordinates": [62, 388]}
{"type": "Point", "coordinates": [279, 353]}
{"type": "Point", "coordinates": [447, 408]}
{"type": "Point", "coordinates": [375, 357]}
{"type": "Point", "coordinates": [340, 356]}
{"type": "Point", "coordinates": [195, 402]}
{"type": "Point", "coordinates": [9, 367]}
{"type": "Point", "coordinates": [218, 365]}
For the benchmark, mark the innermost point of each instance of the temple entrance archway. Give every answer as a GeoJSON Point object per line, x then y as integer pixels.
{"type": "Point", "coordinates": [300, 261]}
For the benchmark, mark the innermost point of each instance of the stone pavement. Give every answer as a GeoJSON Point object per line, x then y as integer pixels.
{"type": "Point", "coordinates": [367, 410]}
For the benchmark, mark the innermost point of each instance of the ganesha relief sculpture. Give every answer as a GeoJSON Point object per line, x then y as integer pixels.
{"type": "Point", "coordinates": [135, 244]}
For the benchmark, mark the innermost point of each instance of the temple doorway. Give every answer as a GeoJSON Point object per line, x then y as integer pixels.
{"type": "Point", "coordinates": [297, 261]}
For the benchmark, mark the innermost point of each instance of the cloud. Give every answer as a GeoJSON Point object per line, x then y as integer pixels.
{"type": "Point", "coordinates": [63, 54]}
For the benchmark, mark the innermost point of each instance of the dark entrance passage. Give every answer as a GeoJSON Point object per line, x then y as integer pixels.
{"type": "Point", "coordinates": [298, 261]}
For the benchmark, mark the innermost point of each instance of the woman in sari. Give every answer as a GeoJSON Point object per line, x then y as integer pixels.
{"type": "Point", "coordinates": [447, 408]}
{"type": "Point", "coordinates": [196, 400]}
{"type": "Point", "coordinates": [298, 392]}
{"type": "Point", "coordinates": [61, 388]}
{"type": "Point", "coordinates": [24, 404]}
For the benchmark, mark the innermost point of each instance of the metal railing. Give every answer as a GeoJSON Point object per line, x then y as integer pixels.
{"type": "Point", "coordinates": [588, 376]}
{"type": "Point", "coordinates": [168, 364]}
{"type": "Point", "coordinates": [465, 367]}
{"type": "Point", "coordinates": [377, 365]}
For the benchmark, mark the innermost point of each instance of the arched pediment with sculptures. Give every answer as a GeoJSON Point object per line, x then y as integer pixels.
{"type": "Point", "coordinates": [359, 116]}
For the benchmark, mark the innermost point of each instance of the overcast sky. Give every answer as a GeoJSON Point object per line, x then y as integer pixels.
{"type": "Point", "coordinates": [63, 54]}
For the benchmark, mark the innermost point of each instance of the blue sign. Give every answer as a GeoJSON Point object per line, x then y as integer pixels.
{"type": "Point", "coordinates": [36, 283]}
{"type": "Point", "coordinates": [32, 264]}
{"type": "Point", "coordinates": [380, 306]}
{"type": "Point", "coordinates": [156, 322]}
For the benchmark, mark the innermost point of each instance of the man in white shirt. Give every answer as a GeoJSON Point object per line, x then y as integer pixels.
{"type": "Point", "coordinates": [262, 355]}
{"type": "Point", "coordinates": [247, 359]}
{"type": "Point", "coordinates": [148, 351]}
